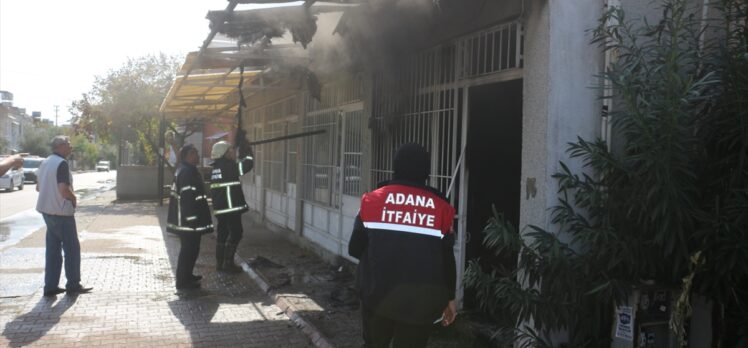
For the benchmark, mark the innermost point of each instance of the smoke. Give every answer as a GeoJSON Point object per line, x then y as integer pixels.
{"type": "Point", "coordinates": [373, 36]}
{"type": "Point", "coordinates": [378, 36]}
{"type": "Point", "coordinates": [327, 50]}
{"type": "Point", "coordinates": [409, 6]}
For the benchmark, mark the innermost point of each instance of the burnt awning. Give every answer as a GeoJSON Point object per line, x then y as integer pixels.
{"type": "Point", "coordinates": [261, 41]}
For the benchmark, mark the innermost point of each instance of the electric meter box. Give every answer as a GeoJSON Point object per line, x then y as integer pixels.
{"type": "Point", "coordinates": [645, 322]}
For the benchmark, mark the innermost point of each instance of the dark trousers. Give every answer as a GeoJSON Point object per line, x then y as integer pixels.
{"type": "Point", "coordinates": [62, 236]}
{"type": "Point", "coordinates": [380, 331]}
{"type": "Point", "coordinates": [229, 229]}
{"type": "Point", "coordinates": [188, 253]}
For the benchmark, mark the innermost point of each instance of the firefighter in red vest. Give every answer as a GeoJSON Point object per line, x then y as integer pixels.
{"type": "Point", "coordinates": [404, 242]}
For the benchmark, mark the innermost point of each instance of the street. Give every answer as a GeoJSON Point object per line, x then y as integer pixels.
{"type": "Point", "coordinates": [129, 261]}
{"type": "Point", "coordinates": [19, 221]}
{"type": "Point", "coordinates": [17, 201]}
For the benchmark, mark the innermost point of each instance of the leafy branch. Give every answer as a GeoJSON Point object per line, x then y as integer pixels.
{"type": "Point", "coordinates": [666, 205]}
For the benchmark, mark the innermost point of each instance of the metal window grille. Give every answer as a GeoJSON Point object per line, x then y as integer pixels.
{"type": "Point", "coordinates": [320, 157]}
{"type": "Point", "coordinates": [353, 124]}
{"type": "Point", "coordinates": [271, 159]}
{"type": "Point", "coordinates": [292, 153]}
{"type": "Point", "coordinates": [490, 51]}
{"type": "Point", "coordinates": [253, 125]}
{"type": "Point", "coordinates": [419, 107]}
{"type": "Point", "coordinates": [332, 160]}
{"type": "Point", "coordinates": [419, 101]}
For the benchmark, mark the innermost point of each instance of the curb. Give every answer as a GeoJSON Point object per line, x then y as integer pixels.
{"type": "Point", "coordinates": [317, 338]}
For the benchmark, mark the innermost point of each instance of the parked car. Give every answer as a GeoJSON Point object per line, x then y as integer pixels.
{"type": "Point", "coordinates": [30, 166]}
{"type": "Point", "coordinates": [12, 179]}
{"type": "Point", "coordinates": [102, 166]}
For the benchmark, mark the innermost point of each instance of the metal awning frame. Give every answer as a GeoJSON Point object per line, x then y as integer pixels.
{"type": "Point", "coordinates": [212, 72]}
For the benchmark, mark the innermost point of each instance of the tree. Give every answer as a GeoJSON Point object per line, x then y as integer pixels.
{"type": "Point", "coordinates": [85, 153]}
{"type": "Point", "coordinates": [667, 206]}
{"type": "Point", "coordinates": [123, 106]}
{"type": "Point", "coordinates": [36, 139]}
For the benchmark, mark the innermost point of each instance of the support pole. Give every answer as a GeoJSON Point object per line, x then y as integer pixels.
{"type": "Point", "coordinates": [191, 64]}
{"type": "Point", "coordinates": [161, 146]}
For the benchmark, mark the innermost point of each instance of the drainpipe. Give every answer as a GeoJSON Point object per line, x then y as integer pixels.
{"type": "Point", "coordinates": [704, 18]}
{"type": "Point", "coordinates": [161, 146]}
{"type": "Point", "coordinates": [607, 107]}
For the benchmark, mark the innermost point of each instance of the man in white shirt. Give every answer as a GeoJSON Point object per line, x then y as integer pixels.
{"type": "Point", "coordinates": [56, 203]}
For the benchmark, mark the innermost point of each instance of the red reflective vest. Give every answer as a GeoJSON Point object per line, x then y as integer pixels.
{"type": "Point", "coordinates": [407, 209]}
{"type": "Point", "coordinates": [403, 239]}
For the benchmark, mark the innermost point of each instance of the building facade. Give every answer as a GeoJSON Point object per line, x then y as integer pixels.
{"type": "Point", "coordinates": [13, 123]}
{"type": "Point", "coordinates": [495, 90]}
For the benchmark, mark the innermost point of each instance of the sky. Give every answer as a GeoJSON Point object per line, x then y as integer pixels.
{"type": "Point", "coordinates": [51, 50]}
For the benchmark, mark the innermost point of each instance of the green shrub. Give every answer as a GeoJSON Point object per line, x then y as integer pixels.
{"type": "Point", "coordinates": [667, 206]}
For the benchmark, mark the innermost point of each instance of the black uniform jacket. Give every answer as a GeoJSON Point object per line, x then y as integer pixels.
{"type": "Point", "coordinates": [403, 239]}
{"type": "Point", "coordinates": [188, 205]}
{"type": "Point", "coordinates": [225, 187]}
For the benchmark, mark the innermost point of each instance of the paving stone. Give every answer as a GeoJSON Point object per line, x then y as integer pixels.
{"type": "Point", "coordinates": [305, 281]}
{"type": "Point", "coordinates": [130, 261]}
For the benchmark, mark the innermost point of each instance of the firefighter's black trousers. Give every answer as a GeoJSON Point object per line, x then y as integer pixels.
{"type": "Point", "coordinates": [229, 229]}
{"type": "Point", "coordinates": [188, 253]}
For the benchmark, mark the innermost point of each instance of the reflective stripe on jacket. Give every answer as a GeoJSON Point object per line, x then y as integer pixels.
{"type": "Point", "coordinates": [403, 239]}
{"type": "Point", "coordinates": [188, 205]}
{"type": "Point", "coordinates": [226, 188]}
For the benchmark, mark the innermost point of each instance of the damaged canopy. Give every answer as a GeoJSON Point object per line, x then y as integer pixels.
{"type": "Point", "coordinates": [207, 85]}
{"type": "Point", "coordinates": [261, 25]}
{"type": "Point", "coordinates": [210, 90]}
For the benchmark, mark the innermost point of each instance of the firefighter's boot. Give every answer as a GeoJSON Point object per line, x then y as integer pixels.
{"type": "Point", "coordinates": [228, 262]}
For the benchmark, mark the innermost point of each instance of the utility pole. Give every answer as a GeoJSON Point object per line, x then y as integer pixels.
{"type": "Point", "coordinates": [57, 107]}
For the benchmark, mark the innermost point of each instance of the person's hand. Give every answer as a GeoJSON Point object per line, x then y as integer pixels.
{"type": "Point", "coordinates": [450, 313]}
{"type": "Point", "coordinates": [74, 201]}
{"type": "Point", "coordinates": [16, 160]}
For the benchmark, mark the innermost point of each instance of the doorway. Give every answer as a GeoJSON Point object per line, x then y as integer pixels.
{"type": "Point", "coordinates": [494, 162]}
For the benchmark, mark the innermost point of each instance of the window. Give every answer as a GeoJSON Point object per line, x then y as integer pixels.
{"type": "Point", "coordinates": [331, 161]}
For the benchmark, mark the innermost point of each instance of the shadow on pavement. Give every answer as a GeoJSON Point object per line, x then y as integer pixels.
{"type": "Point", "coordinates": [215, 320]}
{"type": "Point", "coordinates": [29, 327]}
{"type": "Point", "coordinates": [227, 308]}
{"type": "Point", "coordinates": [320, 291]}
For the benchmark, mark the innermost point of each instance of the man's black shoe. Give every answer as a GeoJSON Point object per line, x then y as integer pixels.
{"type": "Point", "coordinates": [196, 277]}
{"type": "Point", "coordinates": [54, 292]}
{"type": "Point", "coordinates": [80, 290]}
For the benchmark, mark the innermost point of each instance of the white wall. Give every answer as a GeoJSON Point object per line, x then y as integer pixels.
{"type": "Point", "coordinates": [558, 102]}
{"type": "Point", "coordinates": [280, 208]}
{"type": "Point", "coordinates": [140, 182]}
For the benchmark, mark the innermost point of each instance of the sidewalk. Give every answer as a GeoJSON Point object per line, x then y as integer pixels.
{"type": "Point", "coordinates": [322, 294]}
{"type": "Point", "coordinates": [287, 297]}
{"type": "Point", "coordinates": [301, 282]}
{"type": "Point", "coordinates": [130, 261]}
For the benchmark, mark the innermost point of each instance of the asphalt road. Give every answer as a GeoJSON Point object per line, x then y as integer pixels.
{"type": "Point", "coordinates": [22, 233]}
{"type": "Point", "coordinates": [17, 201]}
{"type": "Point", "coordinates": [18, 215]}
